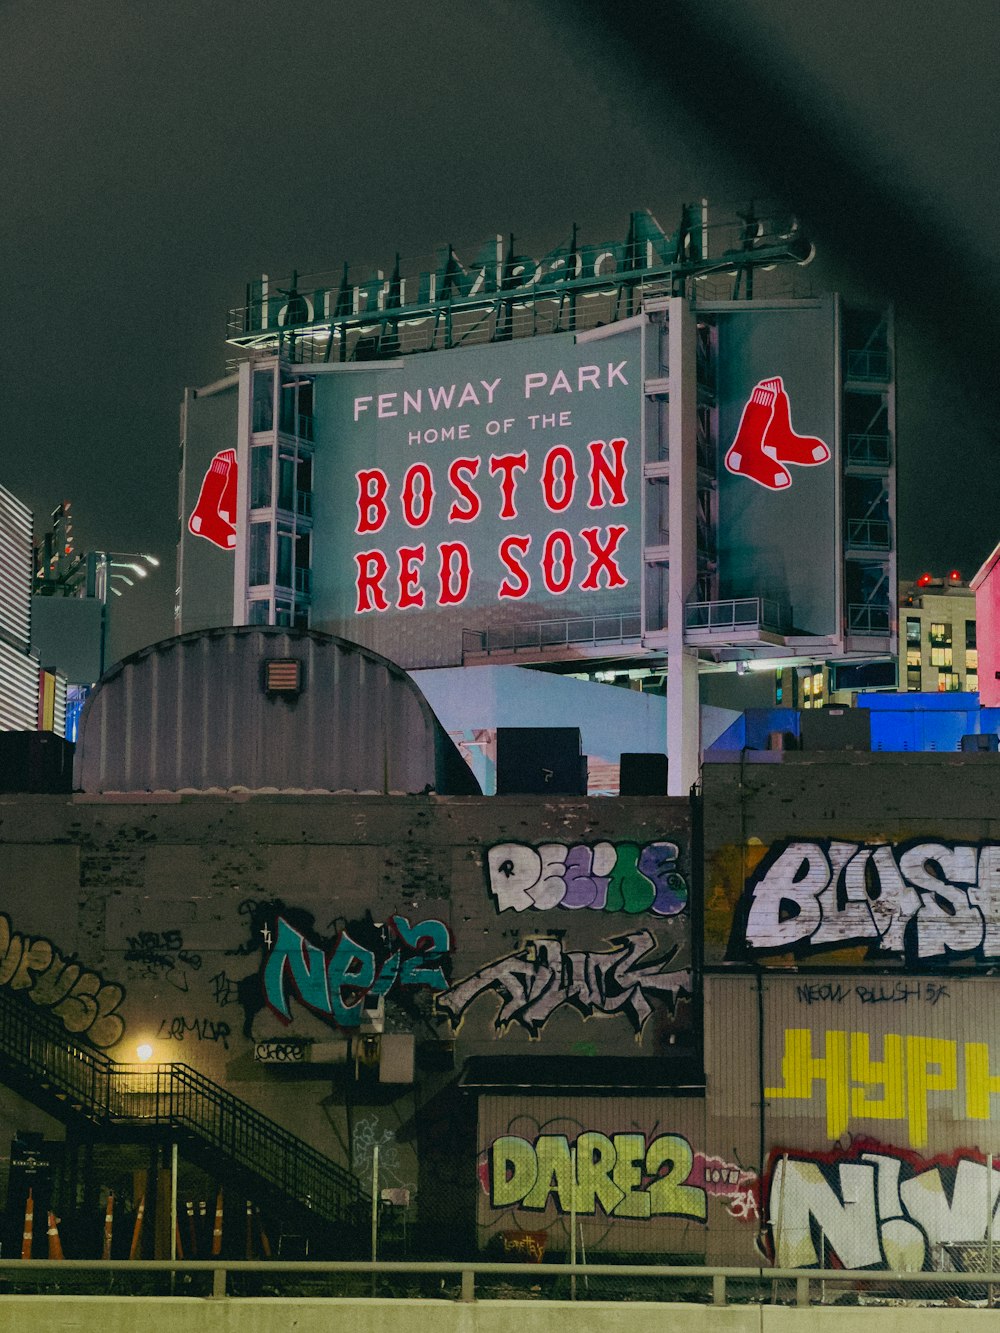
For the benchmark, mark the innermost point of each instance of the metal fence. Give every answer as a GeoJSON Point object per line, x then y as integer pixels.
{"type": "Point", "coordinates": [667, 1283]}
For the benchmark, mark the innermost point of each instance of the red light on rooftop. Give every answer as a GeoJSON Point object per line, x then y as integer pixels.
{"type": "Point", "coordinates": [955, 576]}
{"type": "Point", "coordinates": [924, 579]}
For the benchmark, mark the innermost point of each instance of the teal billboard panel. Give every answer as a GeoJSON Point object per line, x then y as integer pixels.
{"type": "Point", "coordinates": [779, 463]}
{"type": "Point", "coordinates": [478, 488]}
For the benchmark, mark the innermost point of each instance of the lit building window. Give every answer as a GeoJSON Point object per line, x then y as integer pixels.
{"type": "Point", "coordinates": [912, 629]}
{"type": "Point", "coordinates": [913, 657]}
{"type": "Point", "coordinates": [941, 657]}
{"type": "Point", "coordinates": [971, 659]}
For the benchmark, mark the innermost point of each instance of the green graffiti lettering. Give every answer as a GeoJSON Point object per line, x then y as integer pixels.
{"type": "Point", "coordinates": [595, 1160]}
{"type": "Point", "coordinates": [555, 1173]}
{"type": "Point", "coordinates": [628, 888]}
{"type": "Point", "coordinates": [513, 1169]}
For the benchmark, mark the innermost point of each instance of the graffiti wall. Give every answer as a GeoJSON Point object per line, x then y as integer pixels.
{"type": "Point", "coordinates": [85, 1004]}
{"type": "Point", "coordinates": [534, 982]}
{"type": "Point", "coordinates": [904, 1061]}
{"type": "Point", "coordinates": [335, 962]}
{"type": "Point", "coordinates": [633, 1170]}
{"type": "Point", "coordinates": [920, 902]}
{"type": "Point", "coordinates": [604, 877]}
{"type": "Point", "coordinates": [597, 948]}
{"type": "Point", "coordinates": [873, 1206]}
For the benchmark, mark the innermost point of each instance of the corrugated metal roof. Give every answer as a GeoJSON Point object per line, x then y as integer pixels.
{"type": "Point", "coordinates": [194, 713]}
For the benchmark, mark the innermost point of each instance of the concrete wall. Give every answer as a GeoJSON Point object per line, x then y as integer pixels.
{"type": "Point", "coordinates": [122, 1314]}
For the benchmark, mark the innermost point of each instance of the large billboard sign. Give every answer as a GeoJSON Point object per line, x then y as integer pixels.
{"type": "Point", "coordinates": [493, 485]}
{"type": "Point", "coordinates": [777, 401]}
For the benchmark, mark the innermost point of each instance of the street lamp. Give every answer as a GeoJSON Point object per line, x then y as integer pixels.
{"type": "Point", "coordinates": [110, 567]}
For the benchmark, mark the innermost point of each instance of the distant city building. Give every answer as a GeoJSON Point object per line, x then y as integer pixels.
{"type": "Point", "coordinates": [985, 584]}
{"type": "Point", "coordinates": [31, 699]}
{"type": "Point", "coordinates": [70, 609]}
{"type": "Point", "coordinates": [937, 639]}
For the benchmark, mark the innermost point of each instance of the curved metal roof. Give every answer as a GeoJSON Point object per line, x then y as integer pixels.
{"type": "Point", "coordinates": [195, 713]}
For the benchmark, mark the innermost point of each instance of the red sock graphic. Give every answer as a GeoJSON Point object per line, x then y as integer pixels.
{"type": "Point", "coordinates": [779, 438]}
{"type": "Point", "coordinates": [227, 505]}
{"type": "Point", "coordinates": [207, 521]}
{"type": "Point", "coordinates": [747, 456]}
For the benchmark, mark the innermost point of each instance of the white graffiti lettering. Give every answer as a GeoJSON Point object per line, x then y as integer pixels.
{"type": "Point", "coordinates": [923, 901]}
{"type": "Point", "coordinates": [605, 877]}
{"type": "Point", "coordinates": [874, 1209]}
{"type": "Point", "coordinates": [536, 980]}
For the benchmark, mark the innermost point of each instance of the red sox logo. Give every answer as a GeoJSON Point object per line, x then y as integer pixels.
{"type": "Point", "coordinates": [214, 516]}
{"type": "Point", "coordinates": [765, 441]}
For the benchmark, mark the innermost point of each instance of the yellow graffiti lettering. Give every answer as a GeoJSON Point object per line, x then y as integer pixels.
{"type": "Point", "coordinates": [596, 1157]}
{"type": "Point", "coordinates": [79, 1009]}
{"type": "Point", "coordinates": [669, 1194]}
{"type": "Point", "coordinates": [108, 1026]}
{"type": "Point", "coordinates": [513, 1169]}
{"type": "Point", "coordinates": [10, 958]}
{"type": "Point", "coordinates": [620, 1173]}
{"type": "Point", "coordinates": [979, 1082]}
{"type": "Point", "coordinates": [81, 999]}
{"type": "Point", "coordinates": [627, 1175]}
{"type": "Point", "coordinates": [896, 1087]}
{"type": "Point", "coordinates": [800, 1069]}
{"type": "Point", "coordinates": [35, 957]}
{"type": "Point", "coordinates": [922, 1053]}
{"type": "Point", "coordinates": [55, 983]}
{"type": "Point", "coordinates": [886, 1073]}
{"type": "Point", "coordinates": [555, 1173]}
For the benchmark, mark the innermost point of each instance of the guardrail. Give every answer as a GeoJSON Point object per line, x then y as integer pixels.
{"type": "Point", "coordinates": [869, 618]}
{"type": "Point", "coordinates": [867, 365]}
{"type": "Point", "coordinates": [737, 613]}
{"type": "Point", "coordinates": [868, 534]}
{"type": "Point", "coordinates": [703, 1284]}
{"type": "Point", "coordinates": [554, 633]}
{"type": "Point", "coordinates": [868, 450]}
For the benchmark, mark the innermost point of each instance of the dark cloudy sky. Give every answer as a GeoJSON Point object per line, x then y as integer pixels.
{"type": "Point", "coordinates": [155, 155]}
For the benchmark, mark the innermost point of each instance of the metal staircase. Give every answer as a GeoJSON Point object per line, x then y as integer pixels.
{"type": "Point", "coordinates": [80, 1084]}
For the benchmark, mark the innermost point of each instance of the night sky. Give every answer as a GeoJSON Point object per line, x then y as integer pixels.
{"type": "Point", "coordinates": [158, 154]}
